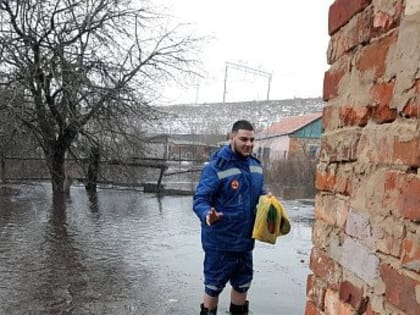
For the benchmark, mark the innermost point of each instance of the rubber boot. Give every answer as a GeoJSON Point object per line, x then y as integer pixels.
{"type": "Point", "coordinates": [206, 311]}
{"type": "Point", "coordinates": [239, 309]}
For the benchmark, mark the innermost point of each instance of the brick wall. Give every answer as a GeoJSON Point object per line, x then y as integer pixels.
{"type": "Point", "coordinates": [366, 237]}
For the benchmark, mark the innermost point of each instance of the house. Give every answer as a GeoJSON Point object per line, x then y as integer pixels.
{"type": "Point", "coordinates": [181, 147]}
{"type": "Point", "coordinates": [290, 137]}
{"type": "Point", "coordinates": [192, 146]}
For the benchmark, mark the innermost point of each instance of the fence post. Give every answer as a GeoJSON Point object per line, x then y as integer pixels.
{"type": "Point", "coordinates": [2, 169]}
{"type": "Point", "coordinates": [159, 182]}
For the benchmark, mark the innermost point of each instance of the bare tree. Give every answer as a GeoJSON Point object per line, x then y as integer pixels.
{"type": "Point", "coordinates": [9, 131]}
{"type": "Point", "coordinates": [84, 67]}
{"type": "Point", "coordinates": [6, 136]}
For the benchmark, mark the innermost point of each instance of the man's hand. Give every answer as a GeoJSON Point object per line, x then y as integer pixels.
{"type": "Point", "coordinates": [213, 216]}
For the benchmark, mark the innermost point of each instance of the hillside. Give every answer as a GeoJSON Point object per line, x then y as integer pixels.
{"type": "Point", "coordinates": [217, 118]}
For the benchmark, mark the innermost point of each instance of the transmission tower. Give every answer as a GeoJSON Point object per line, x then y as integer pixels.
{"type": "Point", "coordinates": [246, 69]}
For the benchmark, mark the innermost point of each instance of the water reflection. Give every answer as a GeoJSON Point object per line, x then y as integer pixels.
{"type": "Point", "coordinates": [93, 202]}
{"type": "Point", "coordinates": [125, 252]}
{"type": "Point", "coordinates": [62, 264]}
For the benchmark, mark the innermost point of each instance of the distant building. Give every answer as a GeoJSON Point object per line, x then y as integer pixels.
{"type": "Point", "coordinates": [290, 137]}
{"type": "Point", "coordinates": [192, 146]}
{"type": "Point", "coordinates": [181, 147]}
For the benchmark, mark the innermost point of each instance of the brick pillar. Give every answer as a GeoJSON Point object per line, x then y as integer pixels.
{"type": "Point", "coordinates": [366, 238]}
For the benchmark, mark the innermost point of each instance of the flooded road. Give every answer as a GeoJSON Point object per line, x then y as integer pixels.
{"type": "Point", "coordinates": [129, 253]}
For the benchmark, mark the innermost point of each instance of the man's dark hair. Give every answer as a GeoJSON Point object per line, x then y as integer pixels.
{"type": "Point", "coordinates": [242, 124]}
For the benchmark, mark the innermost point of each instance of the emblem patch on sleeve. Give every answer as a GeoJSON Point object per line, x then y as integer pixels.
{"type": "Point", "coordinates": [234, 184]}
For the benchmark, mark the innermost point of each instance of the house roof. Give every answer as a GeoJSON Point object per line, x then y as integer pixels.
{"type": "Point", "coordinates": [287, 125]}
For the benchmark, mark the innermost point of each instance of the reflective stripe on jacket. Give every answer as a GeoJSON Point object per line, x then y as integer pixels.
{"type": "Point", "coordinates": [232, 185]}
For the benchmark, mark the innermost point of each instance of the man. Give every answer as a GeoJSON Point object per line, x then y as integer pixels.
{"type": "Point", "coordinates": [225, 201]}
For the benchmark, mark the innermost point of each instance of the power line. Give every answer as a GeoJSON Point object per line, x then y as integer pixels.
{"type": "Point", "coordinates": [246, 69]}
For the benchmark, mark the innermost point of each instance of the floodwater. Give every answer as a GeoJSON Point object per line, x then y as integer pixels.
{"type": "Point", "coordinates": [128, 252]}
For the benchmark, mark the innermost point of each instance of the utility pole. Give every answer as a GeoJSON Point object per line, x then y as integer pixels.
{"type": "Point", "coordinates": [246, 69]}
{"type": "Point", "coordinates": [225, 82]}
{"type": "Point", "coordinates": [268, 86]}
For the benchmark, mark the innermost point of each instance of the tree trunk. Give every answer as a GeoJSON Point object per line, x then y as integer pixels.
{"type": "Point", "coordinates": [56, 167]}
{"type": "Point", "coordinates": [3, 169]}
{"type": "Point", "coordinates": [93, 170]}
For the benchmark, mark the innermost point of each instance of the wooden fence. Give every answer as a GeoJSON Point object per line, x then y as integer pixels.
{"type": "Point", "coordinates": [132, 172]}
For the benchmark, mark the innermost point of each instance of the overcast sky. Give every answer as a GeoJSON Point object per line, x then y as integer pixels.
{"type": "Point", "coordinates": [288, 39]}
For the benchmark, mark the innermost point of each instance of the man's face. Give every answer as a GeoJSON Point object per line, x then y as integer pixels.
{"type": "Point", "coordinates": [242, 142]}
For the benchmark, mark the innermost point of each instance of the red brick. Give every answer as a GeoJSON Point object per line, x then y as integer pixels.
{"type": "Point", "coordinates": [416, 86]}
{"type": "Point", "coordinates": [410, 257]}
{"type": "Point", "coordinates": [311, 309]}
{"type": "Point", "coordinates": [354, 115]}
{"type": "Point", "coordinates": [364, 26]}
{"type": "Point", "coordinates": [315, 291]}
{"type": "Point", "coordinates": [344, 184]}
{"type": "Point", "coordinates": [345, 309]}
{"type": "Point", "coordinates": [407, 152]}
{"type": "Point", "coordinates": [391, 189]}
{"type": "Point", "coordinates": [410, 199]}
{"type": "Point", "coordinates": [334, 76]}
{"type": "Point", "coordinates": [412, 108]}
{"type": "Point", "coordinates": [331, 210]}
{"type": "Point", "coordinates": [324, 267]}
{"type": "Point", "coordinates": [352, 295]}
{"type": "Point", "coordinates": [332, 302]}
{"type": "Point", "coordinates": [332, 79]}
{"type": "Point", "coordinates": [325, 180]}
{"type": "Point", "coordinates": [381, 95]}
{"type": "Point", "coordinates": [400, 290]}
{"type": "Point", "coordinates": [404, 191]}
{"type": "Point", "coordinates": [385, 21]}
{"type": "Point", "coordinates": [384, 114]}
{"type": "Point", "coordinates": [341, 11]}
{"type": "Point", "coordinates": [310, 283]}
{"type": "Point", "coordinates": [390, 182]}
{"type": "Point", "coordinates": [320, 263]}
{"type": "Point", "coordinates": [390, 148]}
{"type": "Point", "coordinates": [373, 56]}
{"type": "Point", "coordinates": [341, 146]}
{"type": "Point", "coordinates": [353, 34]}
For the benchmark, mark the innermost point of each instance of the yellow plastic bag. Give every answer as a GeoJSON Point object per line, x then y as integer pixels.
{"type": "Point", "coordinates": [271, 220]}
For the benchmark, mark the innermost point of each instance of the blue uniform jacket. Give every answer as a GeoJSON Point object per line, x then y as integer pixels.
{"type": "Point", "coordinates": [232, 185]}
